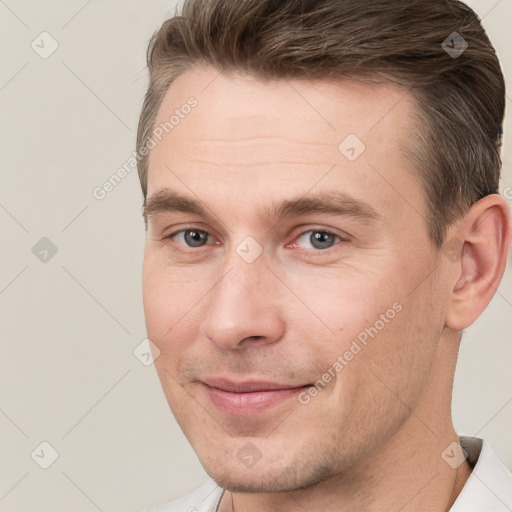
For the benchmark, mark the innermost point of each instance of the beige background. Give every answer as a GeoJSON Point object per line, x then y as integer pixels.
{"type": "Point", "coordinates": [69, 326]}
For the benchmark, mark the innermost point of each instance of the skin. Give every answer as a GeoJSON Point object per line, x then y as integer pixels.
{"type": "Point", "coordinates": [372, 438]}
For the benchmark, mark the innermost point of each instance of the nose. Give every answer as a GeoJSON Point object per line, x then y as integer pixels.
{"type": "Point", "coordinates": [244, 308]}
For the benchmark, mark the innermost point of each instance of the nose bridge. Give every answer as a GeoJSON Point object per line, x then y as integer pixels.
{"type": "Point", "coordinates": [243, 303]}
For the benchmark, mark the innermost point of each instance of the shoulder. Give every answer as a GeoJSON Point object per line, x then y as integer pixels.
{"type": "Point", "coordinates": [203, 499]}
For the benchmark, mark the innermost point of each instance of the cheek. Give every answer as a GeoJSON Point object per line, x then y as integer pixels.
{"type": "Point", "coordinates": [368, 331]}
{"type": "Point", "coordinates": [169, 297]}
{"type": "Point", "coordinates": [340, 301]}
{"type": "Point", "coordinates": [393, 368]}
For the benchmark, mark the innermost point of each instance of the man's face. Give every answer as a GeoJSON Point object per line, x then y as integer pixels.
{"type": "Point", "coordinates": [309, 263]}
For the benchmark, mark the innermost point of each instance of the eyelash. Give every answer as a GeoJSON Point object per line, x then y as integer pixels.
{"type": "Point", "coordinates": [300, 235]}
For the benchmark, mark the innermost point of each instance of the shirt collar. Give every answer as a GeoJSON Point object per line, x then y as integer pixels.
{"type": "Point", "coordinates": [489, 487]}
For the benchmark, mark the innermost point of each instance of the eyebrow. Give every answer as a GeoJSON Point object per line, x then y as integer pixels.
{"type": "Point", "coordinates": [330, 203]}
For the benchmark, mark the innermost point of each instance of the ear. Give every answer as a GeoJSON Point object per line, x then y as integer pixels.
{"type": "Point", "coordinates": [478, 248]}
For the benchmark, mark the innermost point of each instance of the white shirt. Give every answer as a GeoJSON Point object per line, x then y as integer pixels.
{"type": "Point", "coordinates": [488, 488]}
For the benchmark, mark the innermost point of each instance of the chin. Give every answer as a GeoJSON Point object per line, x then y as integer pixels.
{"type": "Point", "coordinates": [264, 477]}
{"type": "Point", "coordinates": [234, 485]}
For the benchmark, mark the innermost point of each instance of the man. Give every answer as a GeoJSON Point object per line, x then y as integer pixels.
{"type": "Point", "coordinates": [320, 187]}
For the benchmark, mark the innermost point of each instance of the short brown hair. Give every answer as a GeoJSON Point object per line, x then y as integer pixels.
{"type": "Point", "coordinates": [461, 98]}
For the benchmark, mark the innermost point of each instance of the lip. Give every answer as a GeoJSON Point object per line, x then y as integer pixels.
{"type": "Point", "coordinates": [249, 397]}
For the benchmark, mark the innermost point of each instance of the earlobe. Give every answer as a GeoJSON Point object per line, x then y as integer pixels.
{"type": "Point", "coordinates": [484, 237]}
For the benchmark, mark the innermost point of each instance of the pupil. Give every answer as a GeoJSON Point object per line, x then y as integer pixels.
{"type": "Point", "coordinates": [321, 240]}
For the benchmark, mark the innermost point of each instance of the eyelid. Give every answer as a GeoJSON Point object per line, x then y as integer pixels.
{"type": "Point", "coordinates": [331, 231]}
{"type": "Point", "coordinates": [187, 227]}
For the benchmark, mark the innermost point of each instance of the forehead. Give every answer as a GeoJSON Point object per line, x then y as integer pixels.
{"type": "Point", "coordinates": [274, 106]}
{"type": "Point", "coordinates": [247, 133]}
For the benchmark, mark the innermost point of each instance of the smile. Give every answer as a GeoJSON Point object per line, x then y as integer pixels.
{"type": "Point", "coordinates": [248, 398]}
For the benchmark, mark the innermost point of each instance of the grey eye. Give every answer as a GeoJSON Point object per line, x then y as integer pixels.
{"type": "Point", "coordinates": [193, 237]}
{"type": "Point", "coordinates": [318, 239]}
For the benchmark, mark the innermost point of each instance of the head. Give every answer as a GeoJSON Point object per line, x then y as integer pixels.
{"type": "Point", "coordinates": [322, 215]}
